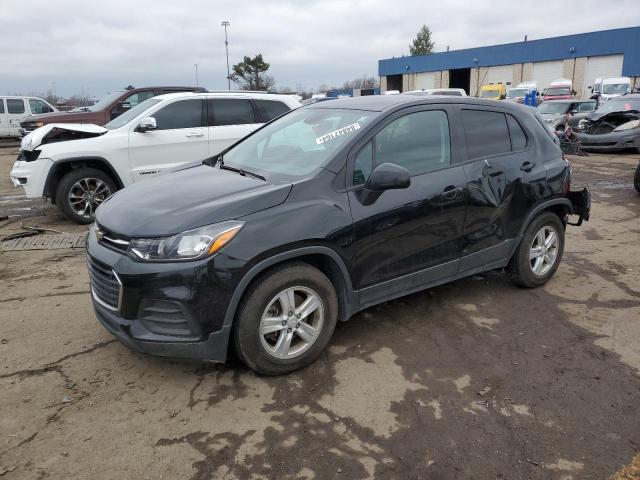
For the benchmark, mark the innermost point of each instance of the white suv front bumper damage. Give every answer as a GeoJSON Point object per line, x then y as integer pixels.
{"type": "Point", "coordinates": [31, 176]}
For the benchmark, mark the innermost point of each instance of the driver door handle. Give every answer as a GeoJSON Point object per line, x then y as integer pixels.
{"type": "Point", "coordinates": [190, 135]}
{"type": "Point", "coordinates": [527, 166]}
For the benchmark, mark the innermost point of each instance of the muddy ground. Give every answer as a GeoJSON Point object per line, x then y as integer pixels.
{"type": "Point", "coordinates": [395, 396]}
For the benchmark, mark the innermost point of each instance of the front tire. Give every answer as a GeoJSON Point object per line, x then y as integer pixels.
{"type": "Point", "coordinates": [81, 191]}
{"type": "Point", "coordinates": [286, 320]}
{"type": "Point", "coordinates": [636, 177]}
{"type": "Point", "coordinates": [539, 253]}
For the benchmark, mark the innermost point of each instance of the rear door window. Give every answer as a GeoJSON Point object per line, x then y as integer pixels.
{"type": "Point", "coordinates": [486, 132]}
{"type": "Point", "coordinates": [180, 114]}
{"type": "Point", "coordinates": [1, 105]}
{"type": "Point", "coordinates": [15, 105]}
{"type": "Point", "coordinates": [230, 111]}
{"type": "Point", "coordinates": [270, 109]}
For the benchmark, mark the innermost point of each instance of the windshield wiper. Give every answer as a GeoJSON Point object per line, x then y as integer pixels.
{"type": "Point", "coordinates": [219, 160]}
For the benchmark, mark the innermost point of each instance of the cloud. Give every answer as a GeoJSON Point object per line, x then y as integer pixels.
{"type": "Point", "coordinates": [102, 46]}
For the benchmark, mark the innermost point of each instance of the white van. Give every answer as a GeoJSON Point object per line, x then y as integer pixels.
{"type": "Point", "coordinates": [614, 87]}
{"type": "Point", "coordinates": [14, 109]}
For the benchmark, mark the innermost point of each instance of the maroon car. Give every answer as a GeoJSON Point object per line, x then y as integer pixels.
{"type": "Point", "coordinates": [114, 104]}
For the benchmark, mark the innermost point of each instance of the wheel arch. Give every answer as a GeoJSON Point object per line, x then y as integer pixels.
{"type": "Point", "coordinates": [560, 206]}
{"type": "Point", "coordinates": [323, 258]}
{"type": "Point", "coordinates": [61, 167]}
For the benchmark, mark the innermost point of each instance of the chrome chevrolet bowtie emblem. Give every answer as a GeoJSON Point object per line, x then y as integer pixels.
{"type": "Point", "coordinates": [99, 234]}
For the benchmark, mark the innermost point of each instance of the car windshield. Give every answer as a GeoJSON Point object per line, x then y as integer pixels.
{"type": "Point", "coordinates": [616, 88]}
{"type": "Point", "coordinates": [105, 102]}
{"type": "Point", "coordinates": [620, 104]}
{"type": "Point", "coordinates": [558, 91]}
{"type": "Point", "coordinates": [298, 143]}
{"type": "Point", "coordinates": [553, 107]}
{"type": "Point", "coordinates": [489, 93]}
{"type": "Point", "coordinates": [132, 113]}
{"type": "Point", "coordinates": [517, 92]}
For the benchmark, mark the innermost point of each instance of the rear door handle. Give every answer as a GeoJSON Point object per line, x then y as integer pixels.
{"type": "Point", "coordinates": [195, 135]}
{"type": "Point", "coordinates": [527, 166]}
{"type": "Point", "coordinates": [451, 192]}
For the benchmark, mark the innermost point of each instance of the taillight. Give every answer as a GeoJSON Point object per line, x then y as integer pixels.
{"type": "Point", "coordinates": [566, 184]}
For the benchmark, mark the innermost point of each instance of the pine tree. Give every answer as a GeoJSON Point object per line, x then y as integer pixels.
{"type": "Point", "coordinates": [422, 44]}
{"type": "Point", "coordinates": [250, 74]}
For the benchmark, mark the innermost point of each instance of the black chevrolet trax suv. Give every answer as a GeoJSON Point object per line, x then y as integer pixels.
{"type": "Point", "coordinates": [321, 213]}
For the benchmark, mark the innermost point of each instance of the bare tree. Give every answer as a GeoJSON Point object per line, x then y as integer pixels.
{"type": "Point", "coordinates": [361, 82]}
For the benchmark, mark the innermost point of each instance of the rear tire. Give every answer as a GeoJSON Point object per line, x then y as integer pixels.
{"type": "Point", "coordinates": [272, 335]}
{"type": "Point", "coordinates": [636, 178]}
{"type": "Point", "coordinates": [539, 253]}
{"type": "Point", "coordinates": [81, 191]}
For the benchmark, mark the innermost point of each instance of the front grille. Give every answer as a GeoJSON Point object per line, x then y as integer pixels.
{"type": "Point", "coordinates": [105, 285]}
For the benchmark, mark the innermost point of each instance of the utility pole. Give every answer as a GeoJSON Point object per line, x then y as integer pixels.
{"type": "Point", "coordinates": [195, 65]}
{"type": "Point", "coordinates": [226, 24]}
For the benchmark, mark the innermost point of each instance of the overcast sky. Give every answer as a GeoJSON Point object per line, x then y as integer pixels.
{"type": "Point", "coordinates": [105, 45]}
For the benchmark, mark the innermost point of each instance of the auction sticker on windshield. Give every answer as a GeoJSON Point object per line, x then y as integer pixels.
{"type": "Point", "coordinates": [336, 133]}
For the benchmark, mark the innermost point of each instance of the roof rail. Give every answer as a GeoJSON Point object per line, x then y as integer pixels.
{"type": "Point", "coordinates": [237, 91]}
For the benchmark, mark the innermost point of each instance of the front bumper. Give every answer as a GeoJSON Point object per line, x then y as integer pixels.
{"type": "Point", "coordinates": [609, 141]}
{"type": "Point", "coordinates": [173, 309]}
{"type": "Point", "coordinates": [31, 176]}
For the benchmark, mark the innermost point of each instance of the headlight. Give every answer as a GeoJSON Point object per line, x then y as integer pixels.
{"type": "Point", "coordinates": [627, 126]}
{"type": "Point", "coordinates": [188, 245]}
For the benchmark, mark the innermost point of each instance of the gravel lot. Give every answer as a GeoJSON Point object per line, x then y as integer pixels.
{"type": "Point", "coordinates": [395, 396]}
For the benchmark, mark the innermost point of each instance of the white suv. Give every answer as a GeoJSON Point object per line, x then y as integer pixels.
{"type": "Point", "coordinates": [78, 166]}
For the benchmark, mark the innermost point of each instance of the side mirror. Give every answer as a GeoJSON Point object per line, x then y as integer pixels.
{"type": "Point", "coordinates": [503, 96]}
{"type": "Point", "coordinates": [388, 176]}
{"type": "Point", "coordinates": [146, 124]}
{"type": "Point", "coordinates": [573, 112]}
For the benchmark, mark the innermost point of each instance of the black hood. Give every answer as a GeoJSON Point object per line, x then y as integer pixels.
{"type": "Point", "coordinates": [186, 199]}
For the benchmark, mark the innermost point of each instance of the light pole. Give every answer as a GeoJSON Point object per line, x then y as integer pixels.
{"type": "Point", "coordinates": [226, 24]}
{"type": "Point", "coordinates": [195, 65]}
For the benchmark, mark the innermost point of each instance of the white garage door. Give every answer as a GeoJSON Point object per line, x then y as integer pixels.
{"type": "Point", "coordinates": [546, 72]}
{"type": "Point", "coordinates": [425, 80]}
{"type": "Point", "coordinates": [500, 74]}
{"type": "Point", "coordinates": [602, 67]}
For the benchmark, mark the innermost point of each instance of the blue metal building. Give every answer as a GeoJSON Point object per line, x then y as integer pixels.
{"type": "Point", "coordinates": [581, 58]}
